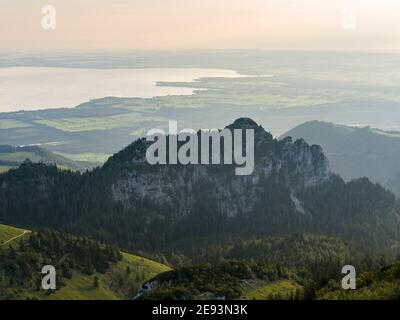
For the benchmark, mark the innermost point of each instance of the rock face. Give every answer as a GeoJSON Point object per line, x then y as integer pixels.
{"type": "Point", "coordinates": [129, 201]}
{"type": "Point", "coordinates": [293, 165]}
{"type": "Point", "coordinates": [146, 287]}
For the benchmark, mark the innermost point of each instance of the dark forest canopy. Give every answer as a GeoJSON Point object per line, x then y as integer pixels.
{"type": "Point", "coordinates": [155, 208]}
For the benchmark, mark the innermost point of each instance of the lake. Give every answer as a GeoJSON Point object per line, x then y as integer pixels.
{"type": "Point", "coordinates": [33, 88]}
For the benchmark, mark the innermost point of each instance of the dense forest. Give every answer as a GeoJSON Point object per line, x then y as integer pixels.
{"type": "Point", "coordinates": [294, 267]}
{"type": "Point", "coordinates": [291, 214]}
{"type": "Point", "coordinates": [154, 208]}
{"type": "Point", "coordinates": [223, 281]}
{"type": "Point", "coordinates": [374, 285]}
{"type": "Point", "coordinates": [259, 280]}
{"type": "Point", "coordinates": [37, 195]}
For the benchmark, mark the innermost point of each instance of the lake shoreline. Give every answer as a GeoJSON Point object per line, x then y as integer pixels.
{"type": "Point", "coordinates": [41, 88]}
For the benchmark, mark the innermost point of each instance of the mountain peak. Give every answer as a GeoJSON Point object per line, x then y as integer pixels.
{"type": "Point", "coordinates": [261, 136]}
{"type": "Point", "coordinates": [243, 123]}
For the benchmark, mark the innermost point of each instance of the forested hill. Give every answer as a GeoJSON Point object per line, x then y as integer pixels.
{"type": "Point", "coordinates": [383, 284]}
{"type": "Point", "coordinates": [131, 203]}
{"type": "Point", "coordinates": [12, 157]}
{"type": "Point", "coordinates": [254, 279]}
{"type": "Point", "coordinates": [85, 269]}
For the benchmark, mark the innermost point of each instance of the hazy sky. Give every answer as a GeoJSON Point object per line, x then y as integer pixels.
{"type": "Point", "coordinates": [99, 25]}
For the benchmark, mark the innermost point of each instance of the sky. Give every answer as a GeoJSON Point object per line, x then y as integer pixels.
{"type": "Point", "coordinates": [115, 25]}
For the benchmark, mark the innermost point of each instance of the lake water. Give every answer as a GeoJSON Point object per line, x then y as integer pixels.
{"type": "Point", "coordinates": [33, 88]}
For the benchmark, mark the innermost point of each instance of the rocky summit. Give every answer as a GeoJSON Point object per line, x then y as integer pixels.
{"type": "Point", "coordinates": [130, 202]}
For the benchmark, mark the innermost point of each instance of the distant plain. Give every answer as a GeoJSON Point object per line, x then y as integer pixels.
{"type": "Point", "coordinates": [280, 90]}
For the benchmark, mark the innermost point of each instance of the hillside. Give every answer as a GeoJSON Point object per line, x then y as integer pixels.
{"type": "Point", "coordinates": [229, 280]}
{"type": "Point", "coordinates": [256, 280]}
{"type": "Point", "coordinates": [9, 234]}
{"type": "Point", "coordinates": [117, 283]}
{"type": "Point", "coordinates": [12, 157]}
{"type": "Point", "coordinates": [275, 268]}
{"type": "Point", "coordinates": [355, 152]}
{"type": "Point", "coordinates": [378, 285]}
{"type": "Point", "coordinates": [315, 256]}
{"type": "Point", "coordinates": [85, 269]}
{"type": "Point", "coordinates": [130, 202]}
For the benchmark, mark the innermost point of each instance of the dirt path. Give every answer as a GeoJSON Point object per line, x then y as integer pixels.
{"type": "Point", "coordinates": [14, 238]}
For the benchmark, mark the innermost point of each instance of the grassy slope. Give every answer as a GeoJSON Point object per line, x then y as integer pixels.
{"type": "Point", "coordinates": [8, 232]}
{"type": "Point", "coordinates": [116, 283]}
{"type": "Point", "coordinates": [265, 291]}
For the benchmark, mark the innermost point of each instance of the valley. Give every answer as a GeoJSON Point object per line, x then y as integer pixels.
{"type": "Point", "coordinates": [281, 233]}
{"type": "Point", "coordinates": [12, 157]}
{"type": "Point", "coordinates": [280, 91]}
{"type": "Point", "coordinates": [322, 194]}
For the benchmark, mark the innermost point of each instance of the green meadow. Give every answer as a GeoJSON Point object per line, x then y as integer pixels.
{"type": "Point", "coordinates": [9, 232]}
{"type": "Point", "coordinates": [278, 289]}
{"type": "Point", "coordinates": [117, 283]}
